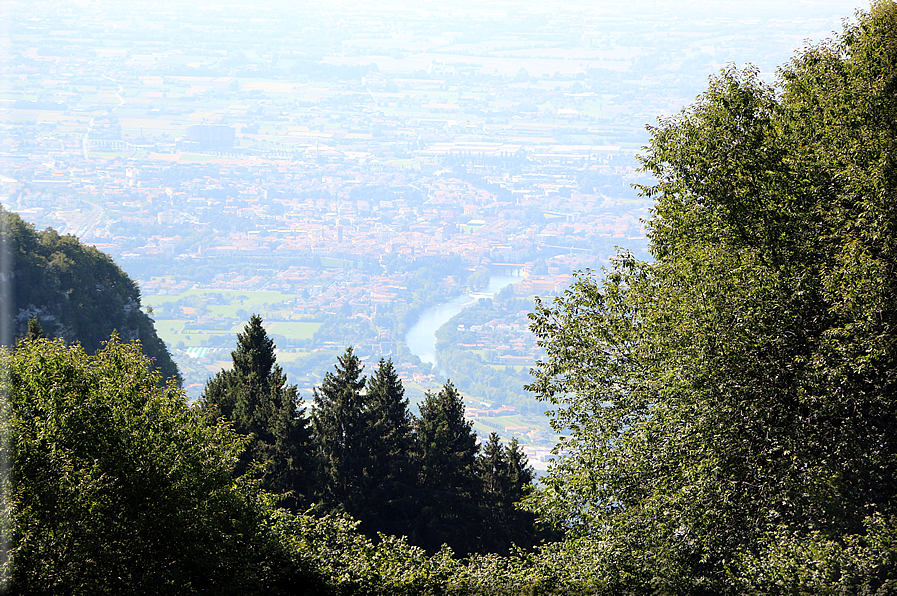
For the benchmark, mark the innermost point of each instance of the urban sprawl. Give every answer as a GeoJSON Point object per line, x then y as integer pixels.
{"type": "Point", "coordinates": [342, 171]}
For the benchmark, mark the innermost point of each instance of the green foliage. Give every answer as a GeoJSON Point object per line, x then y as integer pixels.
{"type": "Point", "coordinates": [35, 331]}
{"type": "Point", "coordinates": [728, 408]}
{"type": "Point", "coordinates": [506, 477]}
{"type": "Point", "coordinates": [389, 472]}
{"type": "Point", "coordinates": [734, 398]}
{"type": "Point", "coordinates": [396, 475]}
{"type": "Point", "coordinates": [348, 563]}
{"type": "Point", "coordinates": [446, 452]}
{"type": "Point", "coordinates": [255, 397]}
{"type": "Point", "coordinates": [471, 372]}
{"type": "Point", "coordinates": [478, 280]}
{"type": "Point", "coordinates": [75, 292]}
{"type": "Point", "coordinates": [340, 424]}
{"type": "Point", "coordinates": [119, 486]}
{"type": "Point", "coordinates": [788, 562]}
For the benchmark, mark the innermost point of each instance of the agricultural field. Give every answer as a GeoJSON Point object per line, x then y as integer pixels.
{"type": "Point", "coordinates": [200, 327]}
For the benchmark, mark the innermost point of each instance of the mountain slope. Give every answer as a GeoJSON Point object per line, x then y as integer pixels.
{"type": "Point", "coordinates": [75, 291]}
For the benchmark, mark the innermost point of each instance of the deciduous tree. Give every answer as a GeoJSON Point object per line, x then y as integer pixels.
{"type": "Point", "coordinates": [120, 487]}
{"type": "Point", "coordinates": [738, 392]}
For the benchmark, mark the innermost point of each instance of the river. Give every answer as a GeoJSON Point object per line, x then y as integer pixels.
{"type": "Point", "coordinates": [421, 338]}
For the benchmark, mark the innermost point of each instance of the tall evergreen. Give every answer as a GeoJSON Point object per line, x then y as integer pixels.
{"type": "Point", "coordinates": [339, 423]}
{"type": "Point", "coordinates": [520, 474]}
{"type": "Point", "coordinates": [254, 395]}
{"type": "Point", "coordinates": [505, 474]}
{"type": "Point", "coordinates": [389, 479]}
{"type": "Point", "coordinates": [35, 330]}
{"type": "Point", "coordinates": [446, 453]}
{"type": "Point", "coordinates": [491, 464]}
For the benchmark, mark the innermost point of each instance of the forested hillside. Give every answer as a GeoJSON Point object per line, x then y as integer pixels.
{"type": "Point", "coordinates": [74, 291]}
{"type": "Point", "coordinates": [728, 409]}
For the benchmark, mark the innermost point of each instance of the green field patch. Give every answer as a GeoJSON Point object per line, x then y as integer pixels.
{"type": "Point", "coordinates": [500, 424]}
{"type": "Point", "coordinates": [335, 263]}
{"type": "Point", "coordinates": [515, 420]}
{"type": "Point", "coordinates": [289, 355]}
{"type": "Point", "coordinates": [183, 339]}
{"type": "Point", "coordinates": [485, 426]}
{"type": "Point", "coordinates": [293, 329]}
{"type": "Point", "coordinates": [166, 327]}
{"type": "Point", "coordinates": [110, 154]}
{"type": "Point", "coordinates": [228, 311]}
{"type": "Point", "coordinates": [244, 298]}
{"type": "Point", "coordinates": [191, 157]}
{"type": "Point", "coordinates": [405, 164]}
{"type": "Point", "coordinates": [635, 201]}
{"type": "Point", "coordinates": [592, 109]}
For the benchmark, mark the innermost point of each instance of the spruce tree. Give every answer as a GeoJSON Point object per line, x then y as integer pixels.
{"type": "Point", "coordinates": [493, 466]}
{"type": "Point", "coordinates": [446, 452]}
{"type": "Point", "coordinates": [505, 475]}
{"type": "Point", "coordinates": [35, 331]}
{"type": "Point", "coordinates": [256, 398]}
{"type": "Point", "coordinates": [389, 477]}
{"type": "Point", "coordinates": [520, 474]}
{"type": "Point", "coordinates": [339, 423]}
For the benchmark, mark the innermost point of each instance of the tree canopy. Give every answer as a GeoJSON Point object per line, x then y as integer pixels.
{"type": "Point", "coordinates": [256, 398]}
{"type": "Point", "coordinates": [118, 486]}
{"type": "Point", "coordinates": [737, 393]}
{"type": "Point", "coordinates": [389, 482]}
{"type": "Point", "coordinates": [121, 487]}
{"type": "Point", "coordinates": [339, 421]}
{"type": "Point", "coordinates": [73, 291]}
{"type": "Point", "coordinates": [446, 452]}
{"type": "Point", "coordinates": [727, 408]}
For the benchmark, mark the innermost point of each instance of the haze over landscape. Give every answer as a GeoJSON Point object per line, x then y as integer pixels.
{"type": "Point", "coordinates": [341, 168]}
{"type": "Point", "coordinates": [418, 298]}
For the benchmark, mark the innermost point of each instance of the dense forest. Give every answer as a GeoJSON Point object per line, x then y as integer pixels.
{"type": "Point", "coordinates": [727, 408]}
{"type": "Point", "coordinates": [361, 452]}
{"type": "Point", "coordinates": [74, 292]}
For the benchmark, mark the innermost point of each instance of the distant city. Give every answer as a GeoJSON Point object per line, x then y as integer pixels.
{"type": "Point", "coordinates": [343, 169]}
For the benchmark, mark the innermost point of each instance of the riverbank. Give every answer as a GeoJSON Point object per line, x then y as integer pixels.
{"type": "Point", "coordinates": [421, 337]}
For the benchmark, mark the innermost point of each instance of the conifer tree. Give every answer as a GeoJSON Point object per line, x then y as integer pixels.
{"type": "Point", "coordinates": [505, 475]}
{"type": "Point", "coordinates": [492, 466]}
{"type": "Point", "coordinates": [254, 395]}
{"type": "Point", "coordinates": [35, 331]}
{"type": "Point", "coordinates": [446, 452]}
{"type": "Point", "coordinates": [520, 473]}
{"type": "Point", "coordinates": [339, 423]}
{"type": "Point", "coordinates": [389, 477]}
